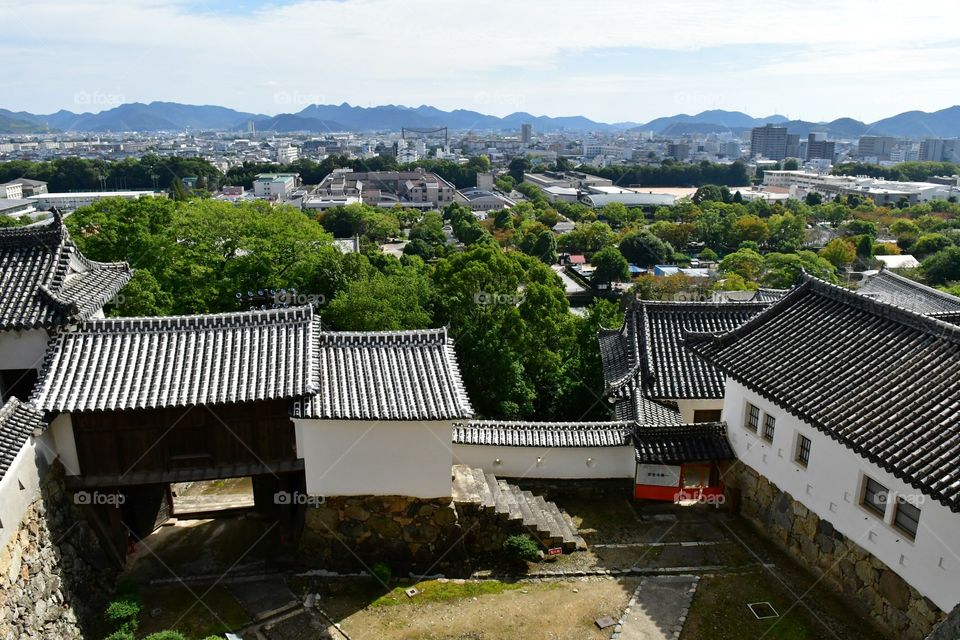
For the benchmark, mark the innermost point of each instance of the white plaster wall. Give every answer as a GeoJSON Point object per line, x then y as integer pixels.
{"type": "Point", "coordinates": [548, 462]}
{"type": "Point", "coordinates": [830, 486]}
{"type": "Point", "coordinates": [687, 407]}
{"type": "Point", "coordinates": [22, 349]}
{"type": "Point", "coordinates": [64, 444]}
{"type": "Point", "coordinates": [20, 485]}
{"type": "Point", "coordinates": [358, 457]}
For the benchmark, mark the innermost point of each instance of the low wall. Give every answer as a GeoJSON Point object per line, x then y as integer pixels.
{"type": "Point", "coordinates": [888, 599]}
{"type": "Point", "coordinates": [54, 577]}
{"type": "Point", "coordinates": [354, 532]}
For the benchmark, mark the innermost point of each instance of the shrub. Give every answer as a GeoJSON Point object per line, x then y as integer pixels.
{"type": "Point", "coordinates": [122, 613]}
{"type": "Point", "coordinates": [120, 635]}
{"type": "Point", "coordinates": [382, 572]}
{"type": "Point", "coordinates": [520, 548]}
{"type": "Point", "coordinates": [169, 634]}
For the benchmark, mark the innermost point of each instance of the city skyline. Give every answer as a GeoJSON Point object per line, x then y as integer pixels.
{"type": "Point", "coordinates": [609, 61]}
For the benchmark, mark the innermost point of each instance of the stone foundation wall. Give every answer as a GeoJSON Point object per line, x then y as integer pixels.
{"type": "Point", "coordinates": [354, 532]}
{"type": "Point", "coordinates": [883, 595]}
{"type": "Point", "coordinates": [949, 629]}
{"type": "Point", "coordinates": [54, 577]}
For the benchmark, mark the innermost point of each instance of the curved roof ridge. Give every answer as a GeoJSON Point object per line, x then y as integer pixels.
{"type": "Point", "coordinates": [884, 272]}
{"type": "Point", "coordinates": [196, 321]}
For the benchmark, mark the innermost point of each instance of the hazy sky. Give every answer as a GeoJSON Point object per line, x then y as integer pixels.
{"type": "Point", "coordinates": [608, 60]}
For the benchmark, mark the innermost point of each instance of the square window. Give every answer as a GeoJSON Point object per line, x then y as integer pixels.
{"type": "Point", "coordinates": [752, 421]}
{"type": "Point", "coordinates": [769, 424]}
{"type": "Point", "coordinates": [803, 450]}
{"type": "Point", "coordinates": [875, 497]}
{"type": "Point", "coordinates": [906, 518]}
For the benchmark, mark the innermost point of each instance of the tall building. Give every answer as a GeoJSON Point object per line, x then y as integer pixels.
{"type": "Point", "coordinates": [931, 150]}
{"type": "Point", "coordinates": [818, 147]}
{"type": "Point", "coordinates": [793, 146]}
{"type": "Point", "coordinates": [526, 133]}
{"type": "Point", "coordinates": [769, 141]}
{"type": "Point", "coordinates": [879, 147]}
{"type": "Point", "coordinates": [678, 150]}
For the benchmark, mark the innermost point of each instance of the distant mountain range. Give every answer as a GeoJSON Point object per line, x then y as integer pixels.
{"type": "Point", "coordinates": [172, 116]}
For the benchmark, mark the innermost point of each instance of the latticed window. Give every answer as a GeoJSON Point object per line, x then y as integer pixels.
{"type": "Point", "coordinates": [803, 449]}
{"type": "Point", "coordinates": [907, 517]}
{"type": "Point", "coordinates": [769, 425]}
{"type": "Point", "coordinates": [875, 497]}
{"type": "Point", "coordinates": [752, 421]}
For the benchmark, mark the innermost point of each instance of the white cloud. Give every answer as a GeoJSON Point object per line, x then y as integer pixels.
{"type": "Point", "coordinates": [446, 52]}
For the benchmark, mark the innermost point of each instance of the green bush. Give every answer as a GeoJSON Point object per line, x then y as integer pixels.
{"type": "Point", "coordinates": [121, 635]}
{"type": "Point", "coordinates": [122, 614]}
{"type": "Point", "coordinates": [520, 548]}
{"type": "Point", "coordinates": [382, 572]}
{"type": "Point", "coordinates": [166, 635]}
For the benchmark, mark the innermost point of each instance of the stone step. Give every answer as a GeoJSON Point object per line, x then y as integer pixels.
{"type": "Point", "coordinates": [499, 503]}
{"type": "Point", "coordinates": [521, 510]}
{"type": "Point", "coordinates": [513, 509]}
{"type": "Point", "coordinates": [483, 489]}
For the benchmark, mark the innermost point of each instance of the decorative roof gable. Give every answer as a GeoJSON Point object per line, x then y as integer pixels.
{"type": "Point", "coordinates": [46, 282]}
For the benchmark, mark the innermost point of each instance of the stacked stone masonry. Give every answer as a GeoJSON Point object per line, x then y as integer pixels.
{"type": "Point", "coordinates": [883, 595]}
{"type": "Point", "coordinates": [354, 532]}
{"type": "Point", "coordinates": [53, 573]}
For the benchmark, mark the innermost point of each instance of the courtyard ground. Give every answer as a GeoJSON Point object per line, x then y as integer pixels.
{"type": "Point", "coordinates": [213, 576]}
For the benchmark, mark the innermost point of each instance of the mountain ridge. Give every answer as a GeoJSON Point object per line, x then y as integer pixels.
{"type": "Point", "coordinates": [174, 116]}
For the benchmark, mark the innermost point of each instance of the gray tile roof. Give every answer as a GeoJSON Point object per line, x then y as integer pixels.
{"type": "Point", "coordinates": [704, 441]}
{"type": "Point", "coordinates": [17, 422]}
{"type": "Point", "coordinates": [543, 434]}
{"type": "Point", "coordinates": [900, 291]}
{"type": "Point", "coordinates": [403, 375]}
{"type": "Point", "coordinates": [141, 363]}
{"type": "Point", "coordinates": [646, 351]}
{"type": "Point", "coordinates": [878, 379]}
{"type": "Point", "coordinates": [46, 282]}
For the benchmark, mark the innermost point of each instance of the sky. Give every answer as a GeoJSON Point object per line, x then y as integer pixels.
{"type": "Point", "coordinates": [609, 60]}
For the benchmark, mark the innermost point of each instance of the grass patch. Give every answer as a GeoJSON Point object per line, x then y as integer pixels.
{"type": "Point", "coordinates": [436, 591]}
{"type": "Point", "coordinates": [720, 612]}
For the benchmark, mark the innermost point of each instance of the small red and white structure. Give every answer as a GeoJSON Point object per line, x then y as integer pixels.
{"type": "Point", "coordinates": [682, 463]}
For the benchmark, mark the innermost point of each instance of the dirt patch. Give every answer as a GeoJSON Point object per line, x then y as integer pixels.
{"type": "Point", "coordinates": [534, 611]}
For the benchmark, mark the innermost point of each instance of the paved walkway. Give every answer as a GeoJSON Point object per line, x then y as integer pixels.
{"type": "Point", "coordinates": [658, 609]}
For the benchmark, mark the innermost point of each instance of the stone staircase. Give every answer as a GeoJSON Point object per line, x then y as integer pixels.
{"type": "Point", "coordinates": [516, 510]}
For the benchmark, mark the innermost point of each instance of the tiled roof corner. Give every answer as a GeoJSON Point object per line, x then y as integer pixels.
{"type": "Point", "coordinates": [18, 421]}
{"type": "Point", "coordinates": [879, 379]}
{"type": "Point", "coordinates": [46, 282]}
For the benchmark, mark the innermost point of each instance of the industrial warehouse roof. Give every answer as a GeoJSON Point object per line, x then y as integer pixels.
{"type": "Point", "coordinates": [543, 434]}
{"type": "Point", "coordinates": [897, 290]}
{"type": "Point", "coordinates": [647, 351]}
{"type": "Point", "coordinates": [401, 375]}
{"type": "Point", "coordinates": [17, 422]}
{"type": "Point", "coordinates": [705, 441]}
{"type": "Point", "coordinates": [147, 363]}
{"type": "Point", "coordinates": [877, 378]}
{"type": "Point", "coordinates": [46, 282]}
